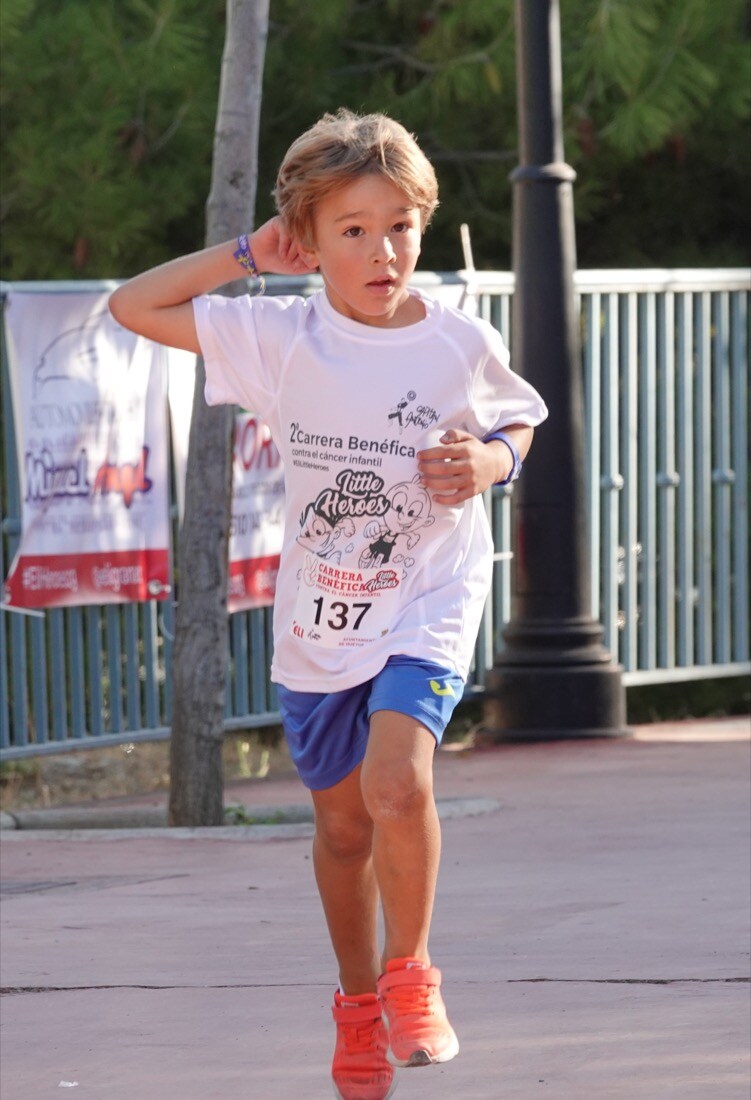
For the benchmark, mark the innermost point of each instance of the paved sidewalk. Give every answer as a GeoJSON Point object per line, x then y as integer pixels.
{"type": "Point", "coordinates": [592, 925]}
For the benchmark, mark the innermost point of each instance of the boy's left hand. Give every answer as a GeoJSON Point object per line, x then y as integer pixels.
{"type": "Point", "coordinates": [460, 467]}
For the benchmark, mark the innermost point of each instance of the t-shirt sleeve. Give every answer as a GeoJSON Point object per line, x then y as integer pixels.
{"type": "Point", "coordinates": [245, 342]}
{"type": "Point", "coordinates": [499, 396]}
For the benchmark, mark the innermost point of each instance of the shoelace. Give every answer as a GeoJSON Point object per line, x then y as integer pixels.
{"type": "Point", "coordinates": [359, 1038]}
{"type": "Point", "coordinates": [413, 998]}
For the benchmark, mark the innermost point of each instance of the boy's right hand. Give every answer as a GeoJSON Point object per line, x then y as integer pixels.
{"type": "Point", "coordinates": [276, 252]}
{"type": "Point", "coordinates": [158, 303]}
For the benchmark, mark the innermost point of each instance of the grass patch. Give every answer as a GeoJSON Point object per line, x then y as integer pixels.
{"type": "Point", "coordinates": [239, 815]}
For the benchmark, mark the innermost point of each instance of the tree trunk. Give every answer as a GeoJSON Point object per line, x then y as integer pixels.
{"type": "Point", "coordinates": [200, 655]}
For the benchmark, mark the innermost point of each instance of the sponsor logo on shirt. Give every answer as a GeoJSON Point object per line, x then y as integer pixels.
{"type": "Point", "coordinates": [406, 414]}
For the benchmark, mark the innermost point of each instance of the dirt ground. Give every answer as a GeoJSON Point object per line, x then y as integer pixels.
{"type": "Point", "coordinates": [92, 774]}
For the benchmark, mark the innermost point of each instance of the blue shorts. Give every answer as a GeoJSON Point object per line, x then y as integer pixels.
{"type": "Point", "coordinates": [327, 732]}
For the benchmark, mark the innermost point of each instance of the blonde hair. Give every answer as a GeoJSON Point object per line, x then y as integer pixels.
{"type": "Point", "coordinates": [338, 149]}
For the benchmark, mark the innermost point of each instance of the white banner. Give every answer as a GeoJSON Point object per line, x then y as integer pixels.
{"type": "Point", "coordinates": [181, 380]}
{"type": "Point", "coordinates": [257, 519]}
{"type": "Point", "coordinates": [91, 438]}
{"type": "Point", "coordinates": [257, 522]}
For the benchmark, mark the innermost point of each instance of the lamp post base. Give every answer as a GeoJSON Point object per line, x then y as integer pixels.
{"type": "Point", "coordinates": [553, 703]}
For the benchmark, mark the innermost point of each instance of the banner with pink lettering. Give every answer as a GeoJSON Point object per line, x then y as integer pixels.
{"type": "Point", "coordinates": [257, 516]}
{"type": "Point", "coordinates": [257, 522]}
{"type": "Point", "coordinates": [91, 437]}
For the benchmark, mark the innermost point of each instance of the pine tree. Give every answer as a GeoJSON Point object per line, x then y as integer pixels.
{"type": "Point", "coordinates": [107, 113]}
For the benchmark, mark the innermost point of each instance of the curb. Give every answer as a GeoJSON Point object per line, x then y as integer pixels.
{"type": "Point", "coordinates": [272, 822]}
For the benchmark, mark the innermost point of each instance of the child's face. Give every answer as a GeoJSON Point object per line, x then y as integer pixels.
{"type": "Point", "coordinates": [367, 242]}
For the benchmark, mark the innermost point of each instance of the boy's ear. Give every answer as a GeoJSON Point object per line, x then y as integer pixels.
{"type": "Point", "coordinates": [309, 255]}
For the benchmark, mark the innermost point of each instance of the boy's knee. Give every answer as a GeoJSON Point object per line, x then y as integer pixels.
{"type": "Point", "coordinates": [344, 836]}
{"type": "Point", "coordinates": [393, 796]}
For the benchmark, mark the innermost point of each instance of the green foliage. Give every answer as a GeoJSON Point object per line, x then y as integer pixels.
{"type": "Point", "coordinates": [444, 69]}
{"type": "Point", "coordinates": [648, 70]}
{"type": "Point", "coordinates": [106, 113]}
{"type": "Point", "coordinates": [107, 159]}
{"type": "Point", "coordinates": [658, 97]}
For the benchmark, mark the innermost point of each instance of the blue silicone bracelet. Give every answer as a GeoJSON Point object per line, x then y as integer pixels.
{"type": "Point", "coordinates": [516, 469]}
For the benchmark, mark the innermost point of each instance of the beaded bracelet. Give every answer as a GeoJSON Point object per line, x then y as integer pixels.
{"type": "Point", "coordinates": [516, 469]}
{"type": "Point", "coordinates": [244, 257]}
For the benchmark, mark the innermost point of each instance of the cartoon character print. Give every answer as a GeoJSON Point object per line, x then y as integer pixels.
{"type": "Point", "coordinates": [394, 532]}
{"type": "Point", "coordinates": [318, 535]}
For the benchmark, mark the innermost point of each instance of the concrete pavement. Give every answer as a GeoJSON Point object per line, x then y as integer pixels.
{"type": "Point", "coordinates": [592, 925]}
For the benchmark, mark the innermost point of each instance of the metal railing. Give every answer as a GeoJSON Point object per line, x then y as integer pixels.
{"type": "Point", "coordinates": [665, 366]}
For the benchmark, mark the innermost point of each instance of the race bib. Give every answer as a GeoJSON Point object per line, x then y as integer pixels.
{"type": "Point", "coordinates": [344, 608]}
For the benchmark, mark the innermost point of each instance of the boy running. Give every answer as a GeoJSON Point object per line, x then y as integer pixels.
{"type": "Point", "coordinates": [387, 555]}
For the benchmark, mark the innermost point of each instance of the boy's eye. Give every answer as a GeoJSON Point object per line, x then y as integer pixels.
{"type": "Point", "coordinates": [353, 231]}
{"type": "Point", "coordinates": [401, 227]}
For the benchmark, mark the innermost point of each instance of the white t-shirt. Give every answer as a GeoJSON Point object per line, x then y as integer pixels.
{"type": "Point", "coordinates": [371, 566]}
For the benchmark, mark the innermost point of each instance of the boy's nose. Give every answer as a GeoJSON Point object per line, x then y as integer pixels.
{"type": "Point", "coordinates": [384, 251]}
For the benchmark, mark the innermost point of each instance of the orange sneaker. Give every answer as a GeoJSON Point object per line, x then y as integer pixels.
{"type": "Point", "coordinates": [414, 1013]}
{"type": "Point", "coordinates": [360, 1069]}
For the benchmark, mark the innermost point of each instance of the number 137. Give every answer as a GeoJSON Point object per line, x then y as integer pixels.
{"type": "Point", "coordinates": [342, 612]}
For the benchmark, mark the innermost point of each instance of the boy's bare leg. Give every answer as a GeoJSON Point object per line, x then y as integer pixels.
{"type": "Point", "coordinates": [346, 881]}
{"type": "Point", "coordinates": [397, 785]}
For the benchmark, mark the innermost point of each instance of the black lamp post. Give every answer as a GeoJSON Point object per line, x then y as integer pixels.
{"type": "Point", "coordinates": [554, 679]}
